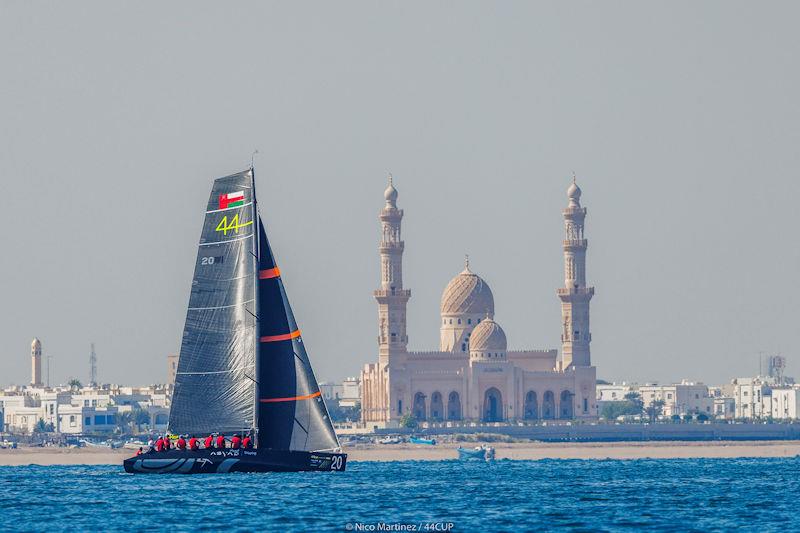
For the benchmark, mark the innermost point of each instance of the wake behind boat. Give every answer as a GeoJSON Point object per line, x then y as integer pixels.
{"type": "Point", "coordinates": [243, 367]}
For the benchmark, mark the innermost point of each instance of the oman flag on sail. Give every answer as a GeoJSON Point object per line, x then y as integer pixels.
{"type": "Point", "coordinates": [232, 199]}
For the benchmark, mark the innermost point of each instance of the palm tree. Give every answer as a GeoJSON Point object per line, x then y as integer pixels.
{"type": "Point", "coordinates": [124, 420]}
{"type": "Point", "coordinates": [140, 418]}
{"type": "Point", "coordinates": [74, 384]}
{"type": "Point", "coordinates": [654, 409]}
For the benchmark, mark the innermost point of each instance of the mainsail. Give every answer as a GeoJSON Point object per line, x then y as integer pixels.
{"type": "Point", "coordinates": [242, 364]}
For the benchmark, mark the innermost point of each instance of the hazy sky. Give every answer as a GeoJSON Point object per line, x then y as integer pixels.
{"type": "Point", "coordinates": [681, 120]}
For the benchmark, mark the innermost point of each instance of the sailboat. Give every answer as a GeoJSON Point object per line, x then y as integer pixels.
{"type": "Point", "coordinates": [243, 367]}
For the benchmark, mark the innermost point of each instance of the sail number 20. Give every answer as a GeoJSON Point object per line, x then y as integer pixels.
{"type": "Point", "coordinates": [336, 462]}
{"type": "Point", "coordinates": [233, 225]}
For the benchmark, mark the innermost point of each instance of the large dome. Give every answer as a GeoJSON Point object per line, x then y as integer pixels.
{"type": "Point", "coordinates": [488, 336]}
{"type": "Point", "coordinates": [467, 293]}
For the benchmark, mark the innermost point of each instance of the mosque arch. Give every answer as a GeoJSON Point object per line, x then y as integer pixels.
{"type": "Point", "coordinates": [419, 410]}
{"type": "Point", "coordinates": [531, 406]}
{"type": "Point", "coordinates": [437, 406]}
{"type": "Point", "coordinates": [492, 405]}
{"type": "Point", "coordinates": [549, 405]}
{"type": "Point", "coordinates": [567, 409]}
{"type": "Point", "coordinates": [453, 406]}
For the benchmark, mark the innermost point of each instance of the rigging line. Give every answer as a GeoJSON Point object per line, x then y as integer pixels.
{"type": "Point", "coordinates": [218, 372]}
{"type": "Point", "coordinates": [229, 208]}
{"type": "Point", "coordinates": [301, 427]}
{"type": "Point", "coordinates": [227, 241]}
{"type": "Point", "coordinates": [220, 307]}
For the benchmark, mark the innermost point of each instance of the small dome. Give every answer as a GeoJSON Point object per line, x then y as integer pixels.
{"type": "Point", "coordinates": [574, 192]}
{"type": "Point", "coordinates": [36, 343]}
{"type": "Point", "coordinates": [467, 293]}
{"type": "Point", "coordinates": [390, 194]}
{"type": "Point", "coordinates": [488, 336]}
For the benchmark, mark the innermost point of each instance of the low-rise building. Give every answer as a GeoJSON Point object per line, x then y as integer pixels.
{"type": "Point", "coordinates": [784, 403]}
{"type": "Point", "coordinates": [749, 394]}
{"type": "Point", "coordinates": [680, 399]}
{"type": "Point", "coordinates": [615, 392]}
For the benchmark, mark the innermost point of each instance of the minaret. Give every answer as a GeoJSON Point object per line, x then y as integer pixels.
{"type": "Point", "coordinates": [575, 296]}
{"type": "Point", "coordinates": [36, 363]}
{"type": "Point", "coordinates": [392, 299]}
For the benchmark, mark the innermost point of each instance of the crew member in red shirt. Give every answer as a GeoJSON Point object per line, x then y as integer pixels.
{"type": "Point", "coordinates": [160, 444]}
{"type": "Point", "coordinates": [181, 443]}
{"type": "Point", "coordinates": [167, 443]}
{"type": "Point", "coordinates": [209, 440]}
{"type": "Point", "coordinates": [193, 444]}
{"type": "Point", "coordinates": [236, 441]}
{"type": "Point", "coordinates": [221, 441]}
{"type": "Point", "coordinates": [246, 442]}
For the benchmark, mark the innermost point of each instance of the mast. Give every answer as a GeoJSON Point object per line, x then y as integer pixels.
{"type": "Point", "coordinates": [256, 300]}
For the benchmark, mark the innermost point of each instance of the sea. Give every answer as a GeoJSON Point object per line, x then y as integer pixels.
{"type": "Point", "coordinates": [547, 495]}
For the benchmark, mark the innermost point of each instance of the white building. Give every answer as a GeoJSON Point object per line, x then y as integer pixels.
{"type": "Point", "coordinates": [748, 394]}
{"type": "Point", "coordinates": [680, 399]}
{"type": "Point", "coordinates": [615, 392]}
{"type": "Point", "coordinates": [784, 403]}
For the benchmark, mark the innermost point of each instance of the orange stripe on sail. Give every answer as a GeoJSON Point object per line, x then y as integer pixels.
{"type": "Point", "coordinates": [269, 273]}
{"type": "Point", "coordinates": [291, 399]}
{"type": "Point", "coordinates": [284, 337]}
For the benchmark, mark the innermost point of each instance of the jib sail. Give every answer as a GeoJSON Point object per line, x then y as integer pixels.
{"type": "Point", "coordinates": [291, 411]}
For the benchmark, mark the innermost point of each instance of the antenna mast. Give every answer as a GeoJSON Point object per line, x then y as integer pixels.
{"type": "Point", "coordinates": [92, 367]}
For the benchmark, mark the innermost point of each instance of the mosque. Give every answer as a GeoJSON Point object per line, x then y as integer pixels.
{"type": "Point", "coordinates": [474, 376]}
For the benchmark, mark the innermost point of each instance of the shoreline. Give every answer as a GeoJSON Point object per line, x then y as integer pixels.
{"type": "Point", "coordinates": [414, 452]}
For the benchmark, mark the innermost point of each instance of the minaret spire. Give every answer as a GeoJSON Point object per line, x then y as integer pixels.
{"type": "Point", "coordinates": [575, 295]}
{"type": "Point", "coordinates": [391, 297]}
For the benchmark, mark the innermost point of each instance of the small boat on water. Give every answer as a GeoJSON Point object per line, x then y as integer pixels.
{"type": "Point", "coordinates": [243, 367]}
{"type": "Point", "coordinates": [481, 453]}
{"type": "Point", "coordinates": [419, 440]}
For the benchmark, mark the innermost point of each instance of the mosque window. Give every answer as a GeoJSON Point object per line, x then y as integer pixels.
{"type": "Point", "coordinates": [459, 321]}
{"type": "Point", "coordinates": [463, 347]}
{"type": "Point", "coordinates": [585, 405]}
{"type": "Point", "coordinates": [469, 321]}
{"type": "Point", "coordinates": [451, 320]}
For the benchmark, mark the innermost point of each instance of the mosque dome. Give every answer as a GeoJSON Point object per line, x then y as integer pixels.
{"type": "Point", "coordinates": [467, 293]}
{"type": "Point", "coordinates": [488, 336]}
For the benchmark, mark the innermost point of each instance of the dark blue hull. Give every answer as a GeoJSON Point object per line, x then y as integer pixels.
{"type": "Point", "coordinates": [225, 461]}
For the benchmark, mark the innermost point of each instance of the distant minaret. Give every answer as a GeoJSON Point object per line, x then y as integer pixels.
{"type": "Point", "coordinates": [36, 363]}
{"type": "Point", "coordinates": [575, 296]}
{"type": "Point", "coordinates": [92, 367]}
{"type": "Point", "coordinates": [391, 297]}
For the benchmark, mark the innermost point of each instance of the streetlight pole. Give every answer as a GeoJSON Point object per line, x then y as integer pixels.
{"type": "Point", "coordinates": [48, 370]}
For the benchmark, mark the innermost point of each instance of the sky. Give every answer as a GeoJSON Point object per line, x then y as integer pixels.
{"type": "Point", "coordinates": [680, 119]}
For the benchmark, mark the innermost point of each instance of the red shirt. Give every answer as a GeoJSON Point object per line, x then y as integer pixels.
{"type": "Point", "coordinates": [181, 443]}
{"type": "Point", "coordinates": [167, 444]}
{"type": "Point", "coordinates": [236, 441]}
{"type": "Point", "coordinates": [193, 444]}
{"type": "Point", "coordinates": [246, 443]}
{"type": "Point", "coordinates": [209, 440]}
{"type": "Point", "coordinates": [159, 445]}
{"type": "Point", "coordinates": [221, 441]}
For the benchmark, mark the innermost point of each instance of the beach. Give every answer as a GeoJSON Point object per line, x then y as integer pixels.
{"type": "Point", "coordinates": [413, 452]}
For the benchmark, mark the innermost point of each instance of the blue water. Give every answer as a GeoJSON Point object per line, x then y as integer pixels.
{"type": "Point", "coordinates": [667, 495]}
